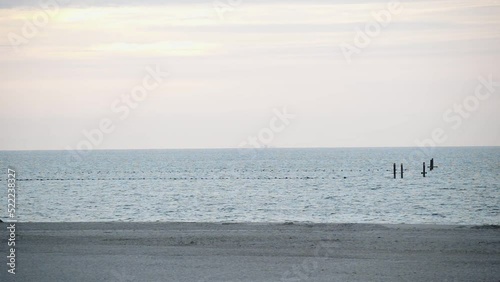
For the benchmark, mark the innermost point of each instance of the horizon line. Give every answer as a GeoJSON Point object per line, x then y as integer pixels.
{"type": "Point", "coordinates": [264, 148]}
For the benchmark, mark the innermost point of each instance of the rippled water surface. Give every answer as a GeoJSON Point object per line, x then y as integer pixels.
{"type": "Point", "coordinates": [268, 185]}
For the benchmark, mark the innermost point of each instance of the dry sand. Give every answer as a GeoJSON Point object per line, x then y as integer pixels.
{"type": "Point", "coordinates": [252, 252]}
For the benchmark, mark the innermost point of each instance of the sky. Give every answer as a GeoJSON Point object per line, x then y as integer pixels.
{"type": "Point", "coordinates": [238, 73]}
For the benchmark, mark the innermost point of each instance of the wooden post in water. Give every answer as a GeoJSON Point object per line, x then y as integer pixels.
{"type": "Point", "coordinates": [394, 169]}
{"type": "Point", "coordinates": [401, 171]}
{"type": "Point", "coordinates": [432, 164]}
{"type": "Point", "coordinates": [423, 172]}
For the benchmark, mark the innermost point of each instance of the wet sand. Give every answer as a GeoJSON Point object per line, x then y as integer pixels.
{"type": "Point", "coordinates": [252, 252]}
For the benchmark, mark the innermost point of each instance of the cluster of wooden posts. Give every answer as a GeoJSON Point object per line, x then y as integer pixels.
{"type": "Point", "coordinates": [431, 167]}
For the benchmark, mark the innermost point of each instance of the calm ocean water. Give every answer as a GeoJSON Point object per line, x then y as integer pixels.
{"type": "Point", "coordinates": [268, 185]}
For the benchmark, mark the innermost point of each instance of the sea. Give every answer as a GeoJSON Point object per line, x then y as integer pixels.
{"type": "Point", "coordinates": [323, 185]}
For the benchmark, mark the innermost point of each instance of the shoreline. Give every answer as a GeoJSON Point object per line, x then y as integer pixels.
{"type": "Point", "coordinates": [297, 251]}
{"type": "Point", "coordinates": [291, 222]}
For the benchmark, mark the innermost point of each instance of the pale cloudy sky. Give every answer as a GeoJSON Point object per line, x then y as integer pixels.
{"type": "Point", "coordinates": [232, 64]}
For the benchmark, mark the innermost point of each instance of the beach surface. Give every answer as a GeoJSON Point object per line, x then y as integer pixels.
{"type": "Point", "coordinates": [251, 252]}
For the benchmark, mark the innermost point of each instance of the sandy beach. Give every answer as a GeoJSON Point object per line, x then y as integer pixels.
{"type": "Point", "coordinates": [252, 252]}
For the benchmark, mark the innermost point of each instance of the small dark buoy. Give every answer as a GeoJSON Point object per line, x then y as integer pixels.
{"type": "Point", "coordinates": [345, 177]}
